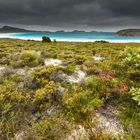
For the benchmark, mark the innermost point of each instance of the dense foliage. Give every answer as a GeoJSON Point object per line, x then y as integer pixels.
{"type": "Point", "coordinates": [43, 103]}
{"type": "Point", "coordinates": [46, 39]}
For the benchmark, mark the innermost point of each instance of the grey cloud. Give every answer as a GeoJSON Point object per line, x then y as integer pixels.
{"type": "Point", "coordinates": [71, 13]}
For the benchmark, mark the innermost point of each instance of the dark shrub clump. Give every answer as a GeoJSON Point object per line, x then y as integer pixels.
{"type": "Point", "coordinates": [46, 39]}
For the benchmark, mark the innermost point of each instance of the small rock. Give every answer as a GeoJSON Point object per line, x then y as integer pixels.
{"type": "Point", "coordinates": [2, 68]}
{"type": "Point", "coordinates": [54, 62]}
{"type": "Point", "coordinates": [79, 133]}
{"type": "Point", "coordinates": [56, 77]}
{"type": "Point", "coordinates": [20, 135]}
{"type": "Point", "coordinates": [98, 58]}
{"type": "Point", "coordinates": [50, 110]}
{"type": "Point", "coordinates": [76, 77]}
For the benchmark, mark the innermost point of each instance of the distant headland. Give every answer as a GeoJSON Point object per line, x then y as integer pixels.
{"type": "Point", "coordinates": [129, 32]}
{"type": "Point", "coordinates": [9, 29]}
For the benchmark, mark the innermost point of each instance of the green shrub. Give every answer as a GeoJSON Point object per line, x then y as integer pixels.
{"type": "Point", "coordinates": [134, 75]}
{"type": "Point", "coordinates": [131, 58]}
{"type": "Point", "coordinates": [92, 71]}
{"type": "Point", "coordinates": [80, 105]}
{"type": "Point", "coordinates": [46, 39]}
{"type": "Point", "coordinates": [13, 108]}
{"type": "Point", "coordinates": [42, 75]}
{"type": "Point", "coordinates": [130, 118]}
{"type": "Point", "coordinates": [80, 59]}
{"type": "Point", "coordinates": [93, 52]}
{"type": "Point", "coordinates": [46, 90]}
{"type": "Point", "coordinates": [30, 58]}
{"type": "Point", "coordinates": [135, 92]}
{"type": "Point", "coordinates": [89, 63]}
{"type": "Point", "coordinates": [101, 41]}
{"type": "Point", "coordinates": [45, 94]}
{"type": "Point", "coordinates": [48, 54]}
{"type": "Point", "coordinates": [96, 84]}
{"type": "Point", "coordinates": [69, 69]}
{"type": "Point", "coordinates": [54, 127]}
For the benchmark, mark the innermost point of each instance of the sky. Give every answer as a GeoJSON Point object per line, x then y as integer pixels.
{"type": "Point", "coordinates": [88, 15]}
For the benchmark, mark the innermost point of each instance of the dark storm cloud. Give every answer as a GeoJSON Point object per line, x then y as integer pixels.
{"type": "Point", "coordinates": [70, 13]}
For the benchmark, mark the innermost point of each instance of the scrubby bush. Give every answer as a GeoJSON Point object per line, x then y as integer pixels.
{"type": "Point", "coordinates": [42, 75]}
{"type": "Point", "coordinates": [135, 92]}
{"type": "Point", "coordinates": [131, 58]}
{"type": "Point", "coordinates": [134, 75]}
{"type": "Point", "coordinates": [30, 58]}
{"type": "Point", "coordinates": [93, 52]}
{"type": "Point", "coordinates": [52, 127]}
{"type": "Point", "coordinates": [130, 118]}
{"type": "Point", "coordinates": [95, 84]}
{"type": "Point", "coordinates": [45, 94]}
{"type": "Point", "coordinates": [13, 108]}
{"type": "Point", "coordinates": [80, 105]}
{"type": "Point", "coordinates": [69, 69]}
{"type": "Point", "coordinates": [89, 63]}
{"type": "Point", "coordinates": [46, 39]}
{"type": "Point", "coordinates": [93, 71]}
{"type": "Point", "coordinates": [80, 59]}
{"type": "Point", "coordinates": [101, 41]}
{"type": "Point", "coordinates": [49, 54]}
{"type": "Point", "coordinates": [46, 90]}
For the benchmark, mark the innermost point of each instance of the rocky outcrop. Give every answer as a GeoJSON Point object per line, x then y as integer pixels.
{"type": "Point", "coordinates": [129, 32]}
{"type": "Point", "coordinates": [54, 62]}
{"type": "Point", "coordinates": [106, 120]}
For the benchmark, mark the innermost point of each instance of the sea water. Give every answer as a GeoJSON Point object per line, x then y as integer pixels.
{"type": "Point", "coordinates": [73, 36]}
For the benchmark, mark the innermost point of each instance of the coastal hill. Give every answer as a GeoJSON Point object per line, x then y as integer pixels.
{"type": "Point", "coordinates": [9, 29]}
{"type": "Point", "coordinates": [129, 32]}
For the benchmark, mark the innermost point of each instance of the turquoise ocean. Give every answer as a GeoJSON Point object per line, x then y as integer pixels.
{"type": "Point", "coordinates": [73, 36]}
